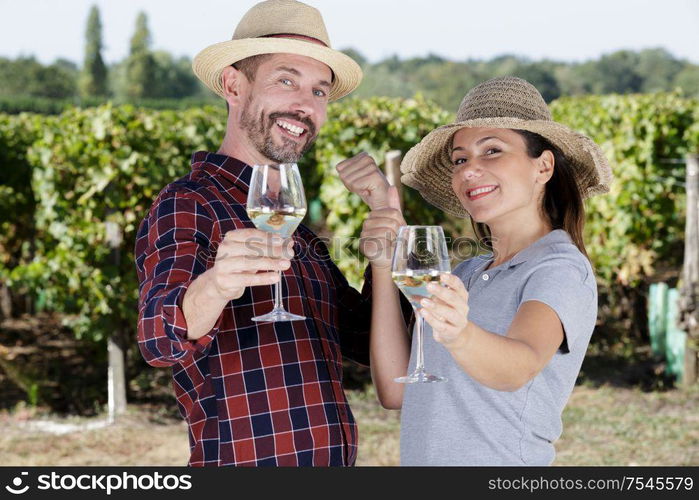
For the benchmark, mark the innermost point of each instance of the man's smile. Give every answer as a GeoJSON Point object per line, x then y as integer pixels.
{"type": "Point", "coordinates": [295, 130]}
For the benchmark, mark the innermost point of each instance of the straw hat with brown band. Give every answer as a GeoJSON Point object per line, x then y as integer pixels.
{"type": "Point", "coordinates": [279, 26]}
{"type": "Point", "coordinates": [506, 102]}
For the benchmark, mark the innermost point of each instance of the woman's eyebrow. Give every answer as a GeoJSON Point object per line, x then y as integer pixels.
{"type": "Point", "coordinates": [481, 141]}
{"type": "Point", "coordinates": [478, 142]}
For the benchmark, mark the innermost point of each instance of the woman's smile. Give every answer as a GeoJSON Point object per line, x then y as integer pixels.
{"type": "Point", "coordinates": [480, 192]}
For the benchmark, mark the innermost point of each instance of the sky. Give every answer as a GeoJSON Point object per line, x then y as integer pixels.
{"type": "Point", "coordinates": [455, 29]}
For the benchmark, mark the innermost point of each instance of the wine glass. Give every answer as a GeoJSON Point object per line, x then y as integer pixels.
{"type": "Point", "coordinates": [276, 204]}
{"type": "Point", "coordinates": [420, 257]}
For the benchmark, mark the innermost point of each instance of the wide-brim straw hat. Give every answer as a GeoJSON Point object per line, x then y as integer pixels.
{"type": "Point", "coordinates": [267, 28]}
{"type": "Point", "coordinates": [510, 103]}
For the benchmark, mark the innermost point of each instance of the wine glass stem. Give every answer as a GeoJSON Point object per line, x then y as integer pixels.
{"type": "Point", "coordinates": [278, 293]}
{"type": "Point", "coordinates": [419, 328]}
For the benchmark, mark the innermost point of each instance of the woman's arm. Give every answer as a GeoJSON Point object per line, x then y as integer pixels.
{"type": "Point", "coordinates": [504, 363]}
{"type": "Point", "coordinates": [389, 342]}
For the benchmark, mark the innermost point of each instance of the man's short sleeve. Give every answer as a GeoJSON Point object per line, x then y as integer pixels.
{"type": "Point", "coordinates": [568, 287]}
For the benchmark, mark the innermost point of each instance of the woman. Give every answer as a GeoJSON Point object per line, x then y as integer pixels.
{"type": "Point", "coordinates": [510, 329]}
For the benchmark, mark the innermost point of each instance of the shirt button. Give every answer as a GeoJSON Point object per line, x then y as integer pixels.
{"type": "Point", "coordinates": [486, 277]}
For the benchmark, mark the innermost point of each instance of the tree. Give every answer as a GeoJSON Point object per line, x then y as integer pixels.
{"type": "Point", "coordinates": [354, 54]}
{"type": "Point", "coordinates": [380, 81]}
{"type": "Point", "coordinates": [568, 81]}
{"type": "Point", "coordinates": [93, 80]}
{"type": "Point", "coordinates": [25, 76]}
{"type": "Point", "coordinates": [688, 80]}
{"type": "Point", "coordinates": [444, 82]}
{"type": "Point", "coordinates": [59, 80]}
{"type": "Point", "coordinates": [542, 76]}
{"type": "Point", "coordinates": [173, 77]}
{"type": "Point", "coordinates": [16, 76]}
{"type": "Point", "coordinates": [658, 68]}
{"type": "Point", "coordinates": [617, 73]}
{"type": "Point", "coordinates": [140, 65]}
{"type": "Point", "coordinates": [504, 65]}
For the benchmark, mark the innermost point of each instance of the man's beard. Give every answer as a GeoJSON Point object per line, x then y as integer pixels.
{"type": "Point", "coordinates": [259, 131]}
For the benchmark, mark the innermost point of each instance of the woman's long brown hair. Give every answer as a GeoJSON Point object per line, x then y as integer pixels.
{"type": "Point", "coordinates": [563, 203]}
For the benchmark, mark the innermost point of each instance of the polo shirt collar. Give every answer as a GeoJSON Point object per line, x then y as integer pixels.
{"type": "Point", "coordinates": [230, 168]}
{"type": "Point", "coordinates": [533, 250]}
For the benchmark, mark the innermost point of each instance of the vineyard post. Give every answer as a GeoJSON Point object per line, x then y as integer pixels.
{"type": "Point", "coordinates": [689, 291]}
{"type": "Point", "coordinates": [116, 384]}
{"type": "Point", "coordinates": [392, 166]}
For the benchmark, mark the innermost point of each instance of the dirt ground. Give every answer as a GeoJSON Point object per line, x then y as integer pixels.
{"type": "Point", "coordinates": [602, 426]}
{"type": "Point", "coordinates": [619, 414]}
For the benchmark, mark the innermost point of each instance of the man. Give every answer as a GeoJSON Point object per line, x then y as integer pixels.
{"type": "Point", "coordinates": [256, 393]}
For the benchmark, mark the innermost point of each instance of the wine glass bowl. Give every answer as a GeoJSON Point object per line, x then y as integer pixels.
{"type": "Point", "coordinates": [420, 257]}
{"type": "Point", "coordinates": [276, 204]}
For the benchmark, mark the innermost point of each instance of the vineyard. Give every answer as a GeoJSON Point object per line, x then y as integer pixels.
{"type": "Point", "coordinates": [74, 187]}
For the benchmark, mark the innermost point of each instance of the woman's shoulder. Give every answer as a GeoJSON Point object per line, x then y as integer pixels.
{"type": "Point", "coordinates": [557, 249]}
{"type": "Point", "coordinates": [559, 264]}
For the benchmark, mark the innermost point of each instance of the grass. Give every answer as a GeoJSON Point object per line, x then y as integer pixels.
{"type": "Point", "coordinates": [145, 436]}
{"type": "Point", "coordinates": [624, 411]}
{"type": "Point", "coordinates": [603, 425]}
{"type": "Point", "coordinates": [379, 429]}
{"type": "Point", "coordinates": [626, 426]}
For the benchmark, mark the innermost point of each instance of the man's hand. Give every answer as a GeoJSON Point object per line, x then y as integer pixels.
{"type": "Point", "coordinates": [245, 257]}
{"type": "Point", "coordinates": [248, 257]}
{"type": "Point", "coordinates": [380, 231]}
{"type": "Point", "coordinates": [362, 176]}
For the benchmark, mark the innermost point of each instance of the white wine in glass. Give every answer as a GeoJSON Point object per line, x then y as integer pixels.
{"type": "Point", "coordinates": [282, 221]}
{"type": "Point", "coordinates": [276, 204]}
{"type": "Point", "coordinates": [420, 257]}
{"type": "Point", "coordinates": [413, 284]}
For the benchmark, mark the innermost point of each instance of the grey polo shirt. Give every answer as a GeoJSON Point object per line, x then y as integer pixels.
{"type": "Point", "coordinates": [462, 422]}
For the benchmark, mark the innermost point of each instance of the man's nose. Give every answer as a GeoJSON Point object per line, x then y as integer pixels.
{"type": "Point", "coordinates": [303, 103]}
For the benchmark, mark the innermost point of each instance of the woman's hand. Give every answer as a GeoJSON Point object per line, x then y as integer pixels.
{"type": "Point", "coordinates": [447, 310]}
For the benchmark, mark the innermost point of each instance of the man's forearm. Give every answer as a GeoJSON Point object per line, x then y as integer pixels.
{"type": "Point", "coordinates": [200, 307]}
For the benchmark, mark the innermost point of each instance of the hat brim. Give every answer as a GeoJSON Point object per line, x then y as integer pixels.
{"type": "Point", "coordinates": [427, 167]}
{"type": "Point", "coordinates": [209, 63]}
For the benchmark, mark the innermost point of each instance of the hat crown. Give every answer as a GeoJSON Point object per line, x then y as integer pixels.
{"type": "Point", "coordinates": [505, 97]}
{"type": "Point", "coordinates": [282, 17]}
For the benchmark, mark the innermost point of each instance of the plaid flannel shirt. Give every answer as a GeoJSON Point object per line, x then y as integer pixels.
{"type": "Point", "coordinates": [252, 393]}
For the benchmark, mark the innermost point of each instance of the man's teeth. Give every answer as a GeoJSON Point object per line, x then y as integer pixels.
{"type": "Point", "coordinates": [293, 129]}
{"type": "Point", "coordinates": [478, 191]}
